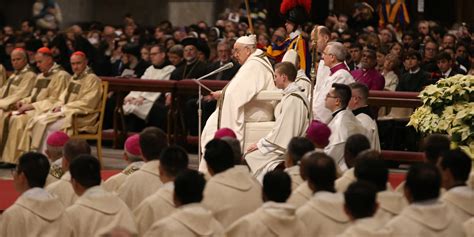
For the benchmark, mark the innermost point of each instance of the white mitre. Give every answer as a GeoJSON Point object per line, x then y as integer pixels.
{"type": "Point", "coordinates": [290, 56]}
{"type": "Point", "coordinates": [251, 39]}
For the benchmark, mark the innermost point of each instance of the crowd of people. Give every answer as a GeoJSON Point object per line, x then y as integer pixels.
{"type": "Point", "coordinates": [384, 58]}
{"type": "Point", "coordinates": [316, 170]}
{"type": "Point", "coordinates": [63, 194]}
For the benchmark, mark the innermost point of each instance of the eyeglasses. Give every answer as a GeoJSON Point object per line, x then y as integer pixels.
{"type": "Point", "coordinates": [235, 51]}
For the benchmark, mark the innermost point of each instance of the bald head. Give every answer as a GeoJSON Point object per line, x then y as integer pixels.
{"type": "Point", "coordinates": [78, 63]}
{"type": "Point", "coordinates": [320, 36]}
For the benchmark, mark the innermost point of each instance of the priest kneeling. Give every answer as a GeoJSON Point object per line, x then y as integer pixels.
{"type": "Point", "coordinates": [292, 118]}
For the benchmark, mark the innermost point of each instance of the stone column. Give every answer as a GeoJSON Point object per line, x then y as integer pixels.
{"type": "Point", "coordinates": [183, 12]}
{"type": "Point", "coordinates": [76, 11]}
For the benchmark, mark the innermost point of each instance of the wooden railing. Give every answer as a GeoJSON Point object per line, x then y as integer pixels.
{"type": "Point", "coordinates": [183, 88]}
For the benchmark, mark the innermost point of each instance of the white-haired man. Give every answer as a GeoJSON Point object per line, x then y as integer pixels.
{"type": "Point", "coordinates": [334, 55]}
{"type": "Point", "coordinates": [236, 104]}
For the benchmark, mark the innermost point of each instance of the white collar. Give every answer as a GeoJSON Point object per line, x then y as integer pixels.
{"type": "Point", "coordinates": [295, 34]}
{"type": "Point", "coordinates": [446, 74]}
{"type": "Point", "coordinates": [415, 71]}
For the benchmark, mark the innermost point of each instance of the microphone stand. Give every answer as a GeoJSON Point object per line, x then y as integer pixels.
{"type": "Point", "coordinates": [200, 86]}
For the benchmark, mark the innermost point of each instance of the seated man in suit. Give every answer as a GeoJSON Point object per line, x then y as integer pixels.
{"type": "Point", "coordinates": [446, 66]}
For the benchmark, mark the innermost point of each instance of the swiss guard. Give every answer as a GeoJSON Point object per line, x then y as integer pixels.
{"type": "Point", "coordinates": [296, 13]}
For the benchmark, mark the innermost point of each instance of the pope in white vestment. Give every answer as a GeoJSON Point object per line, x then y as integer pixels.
{"type": "Point", "coordinates": [35, 213]}
{"type": "Point", "coordinates": [236, 104]}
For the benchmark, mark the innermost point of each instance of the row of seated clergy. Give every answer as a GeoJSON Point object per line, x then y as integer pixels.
{"type": "Point", "coordinates": [82, 97]}
{"type": "Point", "coordinates": [38, 212]}
{"type": "Point", "coordinates": [390, 203]}
{"type": "Point", "coordinates": [109, 212]}
{"type": "Point", "coordinates": [49, 84]}
{"type": "Point", "coordinates": [229, 184]}
{"type": "Point", "coordinates": [18, 86]}
{"type": "Point", "coordinates": [327, 207]}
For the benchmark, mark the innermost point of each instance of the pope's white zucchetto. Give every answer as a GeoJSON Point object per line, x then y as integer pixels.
{"type": "Point", "coordinates": [251, 39]}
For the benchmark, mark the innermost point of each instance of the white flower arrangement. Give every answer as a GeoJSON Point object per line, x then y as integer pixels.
{"type": "Point", "coordinates": [448, 107]}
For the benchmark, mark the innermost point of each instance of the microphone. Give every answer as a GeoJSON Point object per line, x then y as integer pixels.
{"type": "Point", "coordinates": [224, 67]}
